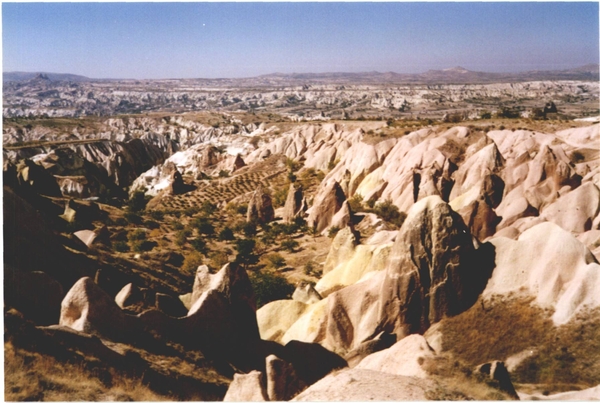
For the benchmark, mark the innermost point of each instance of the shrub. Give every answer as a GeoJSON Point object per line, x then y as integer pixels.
{"type": "Point", "coordinates": [157, 215]}
{"type": "Point", "coordinates": [181, 237]}
{"type": "Point", "coordinates": [226, 234]}
{"type": "Point", "coordinates": [355, 203]}
{"type": "Point", "coordinates": [333, 230]}
{"type": "Point", "coordinates": [198, 244]}
{"type": "Point", "coordinates": [389, 212]}
{"type": "Point", "coordinates": [289, 245]}
{"type": "Point", "coordinates": [223, 173]}
{"type": "Point", "coordinates": [269, 286]}
{"type": "Point", "coordinates": [203, 226]}
{"type": "Point", "coordinates": [218, 259]}
{"type": "Point", "coordinates": [249, 229]}
{"type": "Point", "coordinates": [137, 235]}
{"type": "Point", "coordinates": [132, 218]}
{"type": "Point", "coordinates": [207, 208]}
{"type": "Point", "coordinates": [275, 261]}
{"type": "Point", "coordinates": [309, 268]}
{"type": "Point", "coordinates": [120, 246]}
{"type": "Point", "coordinates": [190, 211]}
{"type": "Point", "coordinates": [191, 261]}
{"type": "Point", "coordinates": [151, 224]}
{"type": "Point", "coordinates": [177, 225]}
{"type": "Point", "coordinates": [245, 252]}
{"type": "Point", "coordinates": [137, 201]}
{"type": "Point", "coordinates": [143, 246]}
{"type": "Point", "coordinates": [280, 196]}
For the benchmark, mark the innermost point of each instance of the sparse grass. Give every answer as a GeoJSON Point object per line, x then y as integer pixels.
{"type": "Point", "coordinates": [31, 376]}
{"type": "Point", "coordinates": [569, 354]}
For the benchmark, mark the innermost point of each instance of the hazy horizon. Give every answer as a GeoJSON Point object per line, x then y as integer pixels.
{"type": "Point", "coordinates": [234, 40]}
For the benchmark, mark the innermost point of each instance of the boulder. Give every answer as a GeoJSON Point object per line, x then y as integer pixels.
{"type": "Point", "coordinates": [406, 357]}
{"type": "Point", "coordinates": [498, 374]}
{"type": "Point", "coordinates": [343, 218]}
{"type": "Point", "coordinates": [260, 207]}
{"type": "Point", "coordinates": [87, 308]}
{"type": "Point", "coordinates": [210, 157]}
{"type": "Point", "coordinates": [247, 388]}
{"type": "Point", "coordinates": [363, 385]}
{"type": "Point", "coordinates": [306, 293]}
{"type": "Point", "coordinates": [238, 163]}
{"type": "Point", "coordinates": [223, 319]}
{"type": "Point", "coordinates": [282, 381]}
{"type": "Point", "coordinates": [293, 203]}
{"type": "Point", "coordinates": [276, 317]}
{"type": "Point", "coordinates": [480, 218]}
{"type": "Point", "coordinates": [311, 361]}
{"type": "Point", "coordinates": [176, 184]}
{"type": "Point", "coordinates": [380, 342]}
{"type": "Point", "coordinates": [326, 204]}
{"type": "Point", "coordinates": [129, 295]}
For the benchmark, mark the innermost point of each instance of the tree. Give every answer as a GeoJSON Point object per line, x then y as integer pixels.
{"type": "Point", "coordinates": [269, 286]}
{"type": "Point", "coordinates": [226, 234]}
{"type": "Point", "coordinates": [245, 252]}
{"type": "Point", "coordinates": [137, 201]}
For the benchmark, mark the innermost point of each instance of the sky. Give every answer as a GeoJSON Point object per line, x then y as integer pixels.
{"type": "Point", "coordinates": [218, 40]}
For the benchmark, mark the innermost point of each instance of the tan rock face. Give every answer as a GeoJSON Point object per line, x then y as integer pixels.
{"type": "Point", "coordinates": [282, 381]}
{"type": "Point", "coordinates": [224, 313]}
{"type": "Point", "coordinates": [89, 309]}
{"type": "Point", "coordinates": [293, 203]}
{"type": "Point", "coordinates": [403, 358]}
{"type": "Point", "coordinates": [326, 204]}
{"type": "Point", "coordinates": [549, 264]}
{"type": "Point", "coordinates": [260, 207]}
{"type": "Point", "coordinates": [341, 248]}
{"type": "Point", "coordinates": [433, 270]}
{"type": "Point", "coordinates": [247, 388]}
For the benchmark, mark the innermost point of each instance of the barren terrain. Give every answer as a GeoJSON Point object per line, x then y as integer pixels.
{"type": "Point", "coordinates": [306, 237]}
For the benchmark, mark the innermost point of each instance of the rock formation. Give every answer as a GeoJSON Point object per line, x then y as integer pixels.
{"type": "Point", "coordinates": [293, 203]}
{"type": "Point", "coordinates": [87, 308]}
{"type": "Point", "coordinates": [260, 207]}
{"type": "Point", "coordinates": [326, 204]}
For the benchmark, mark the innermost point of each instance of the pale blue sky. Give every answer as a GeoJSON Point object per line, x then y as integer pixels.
{"type": "Point", "coordinates": [194, 40]}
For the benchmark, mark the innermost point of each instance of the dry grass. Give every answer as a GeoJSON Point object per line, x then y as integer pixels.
{"type": "Point", "coordinates": [34, 377]}
{"type": "Point", "coordinates": [495, 330]}
{"type": "Point", "coordinates": [567, 355]}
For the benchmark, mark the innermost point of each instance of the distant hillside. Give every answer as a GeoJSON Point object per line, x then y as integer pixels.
{"type": "Point", "coordinates": [24, 76]}
{"type": "Point", "coordinates": [454, 75]}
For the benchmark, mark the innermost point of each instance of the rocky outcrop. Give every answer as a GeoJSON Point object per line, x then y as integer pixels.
{"type": "Point", "coordinates": [343, 218]}
{"type": "Point", "coordinates": [260, 207]}
{"type": "Point", "coordinates": [549, 264]}
{"type": "Point", "coordinates": [406, 357]}
{"type": "Point", "coordinates": [223, 316]}
{"type": "Point", "coordinates": [282, 381]}
{"type": "Point", "coordinates": [326, 204]}
{"type": "Point", "coordinates": [433, 271]}
{"type": "Point", "coordinates": [306, 293]}
{"type": "Point", "coordinates": [293, 203]}
{"type": "Point", "coordinates": [87, 308]}
{"type": "Point", "coordinates": [498, 374]}
{"type": "Point", "coordinates": [276, 317]}
{"type": "Point", "coordinates": [248, 387]}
